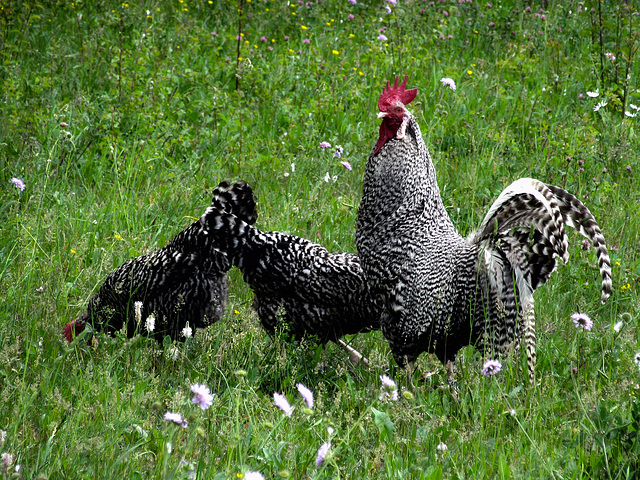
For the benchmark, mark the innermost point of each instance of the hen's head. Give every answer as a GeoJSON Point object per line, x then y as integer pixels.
{"type": "Point", "coordinates": [73, 329]}
{"type": "Point", "coordinates": [394, 115]}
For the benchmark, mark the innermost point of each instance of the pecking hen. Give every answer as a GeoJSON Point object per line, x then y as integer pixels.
{"type": "Point", "coordinates": [295, 281]}
{"type": "Point", "coordinates": [182, 284]}
{"type": "Point", "coordinates": [440, 291]}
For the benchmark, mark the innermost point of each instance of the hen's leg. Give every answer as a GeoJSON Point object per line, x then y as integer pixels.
{"type": "Point", "coordinates": [354, 356]}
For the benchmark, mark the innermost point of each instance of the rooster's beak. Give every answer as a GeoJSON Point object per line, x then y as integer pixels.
{"type": "Point", "coordinates": [382, 114]}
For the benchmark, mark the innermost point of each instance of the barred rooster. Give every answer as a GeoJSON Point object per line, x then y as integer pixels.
{"type": "Point", "coordinates": [440, 291]}
{"type": "Point", "coordinates": [295, 281]}
{"type": "Point", "coordinates": [183, 283]}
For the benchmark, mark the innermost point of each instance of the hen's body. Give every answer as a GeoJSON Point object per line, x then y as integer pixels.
{"type": "Point", "coordinates": [314, 292]}
{"type": "Point", "coordinates": [183, 283]}
{"type": "Point", "coordinates": [439, 291]}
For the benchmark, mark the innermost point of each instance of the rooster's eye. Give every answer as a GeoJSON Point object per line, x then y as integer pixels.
{"type": "Point", "coordinates": [398, 109]}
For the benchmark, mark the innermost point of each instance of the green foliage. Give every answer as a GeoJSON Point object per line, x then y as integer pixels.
{"type": "Point", "coordinates": [121, 118]}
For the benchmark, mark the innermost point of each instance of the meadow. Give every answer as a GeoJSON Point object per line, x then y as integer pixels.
{"type": "Point", "coordinates": [117, 120]}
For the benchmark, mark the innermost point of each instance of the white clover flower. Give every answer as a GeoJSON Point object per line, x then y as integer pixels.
{"type": "Point", "coordinates": [253, 476]}
{"type": "Point", "coordinates": [150, 323]}
{"type": "Point", "coordinates": [594, 94]}
{"type": "Point", "coordinates": [137, 307]}
{"type": "Point", "coordinates": [173, 353]}
{"type": "Point", "coordinates": [187, 332]}
{"type": "Point", "coordinates": [600, 105]}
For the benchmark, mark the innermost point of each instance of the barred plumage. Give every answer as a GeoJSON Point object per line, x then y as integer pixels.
{"type": "Point", "coordinates": [314, 292]}
{"type": "Point", "coordinates": [183, 283]}
{"type": "Point", "coordinates": [441, 292]}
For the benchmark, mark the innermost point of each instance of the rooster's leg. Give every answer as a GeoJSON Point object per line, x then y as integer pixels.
{"type": "Point", "coordinates": [453, 385]}
{"type": "Point", "coordinates": [410, 369]}
{"type": "Point", "coordinates": [354, 356]}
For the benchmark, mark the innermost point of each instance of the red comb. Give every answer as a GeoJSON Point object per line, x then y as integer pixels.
{"type": "Point", "coordinates": [397, 92]}
{"type": "Point", "coordinates": [73, 329]}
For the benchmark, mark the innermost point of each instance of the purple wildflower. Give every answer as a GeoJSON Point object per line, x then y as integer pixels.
{"type": "Point", "coordinates": [346, 165]}
{"type": "Point", "coordinates": [263, 39]}
{"type": "Point", "coordinates": [586, 245]}
{"type": "Point", "coordinates": [582, 320]}
{"type": "Point", "coordinates": [492, 24]}
{"type": "Point", "coordinates": [306, 394]}
{"type": "Point", "coordinates": [354, 2]}
{"type": "Point", "coordinates": [629, 168]}
{"type": "Point", "coordinates": [491, 367]}
{"type": "Point", "coordinates": [382, 38]}
{"type": "Point", "coordinates": [306, 40]}
{"type": "Point", "coordinates": [64, 124]}
{"type": "Point", "coordinates": [286, 37]}
{"type": "Point", "coordinates": [389, 389]}
{"type": "Point", "coordinates": [202, 396]}
{"type": "Point", "coordinates": [387, 8]}
{"type": "Point", "coordinates": [324, 145]}
{"type": "Point", "coordinates": [281, 402]}
{"type": "Point", "coordinates": [387, 382]}
{"type": "Point", "coordinates": [176, 418]}
{"type": "Point", "coordinates": [322, 453]}
{"type": "Point", "coordinates": [18, 183]}
{"type": "Point", "coordinates": [351, 16]}
{"type": "Point", "coordinates": [449, 83]}
{"type": "Point", "coordinates": [215, 34]}
{"type": "Point", "coordinates": [339, 150]}
{"type": "Point", "coordinates": [7, 461]}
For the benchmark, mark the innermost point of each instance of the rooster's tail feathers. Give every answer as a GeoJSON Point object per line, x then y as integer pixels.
{"type": "Point", "coordinates": [577, 215]}
{"type": "Point", "coordinates": [524, 205]}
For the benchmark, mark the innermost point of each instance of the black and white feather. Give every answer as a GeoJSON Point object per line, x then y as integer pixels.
{"type": "Point", "coordinates": [440, 291]}
{"type": "Point", "coordinates": [296, 282]}
{"type": "Point", "coordinates": [182, 284]}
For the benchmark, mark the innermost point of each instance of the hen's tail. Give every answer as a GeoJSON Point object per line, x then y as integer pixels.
{"type": "Point", "coordinates": [231, 216]}
{"type": "Point", "coordinates": [526, 226]}
{"type": "Point", "coordinates": [237, 199]}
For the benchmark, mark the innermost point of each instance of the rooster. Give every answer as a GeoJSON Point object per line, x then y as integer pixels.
{"type": "Point", "coordinates": [439, 291]}
{"type": "Point", "coordinates": [182, 284]}
{"type": "Point", "coordinates": [297, 284]}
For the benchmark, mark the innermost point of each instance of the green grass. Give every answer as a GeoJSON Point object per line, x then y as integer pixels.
{"type": "Point", "coordinates": [121, 123]}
